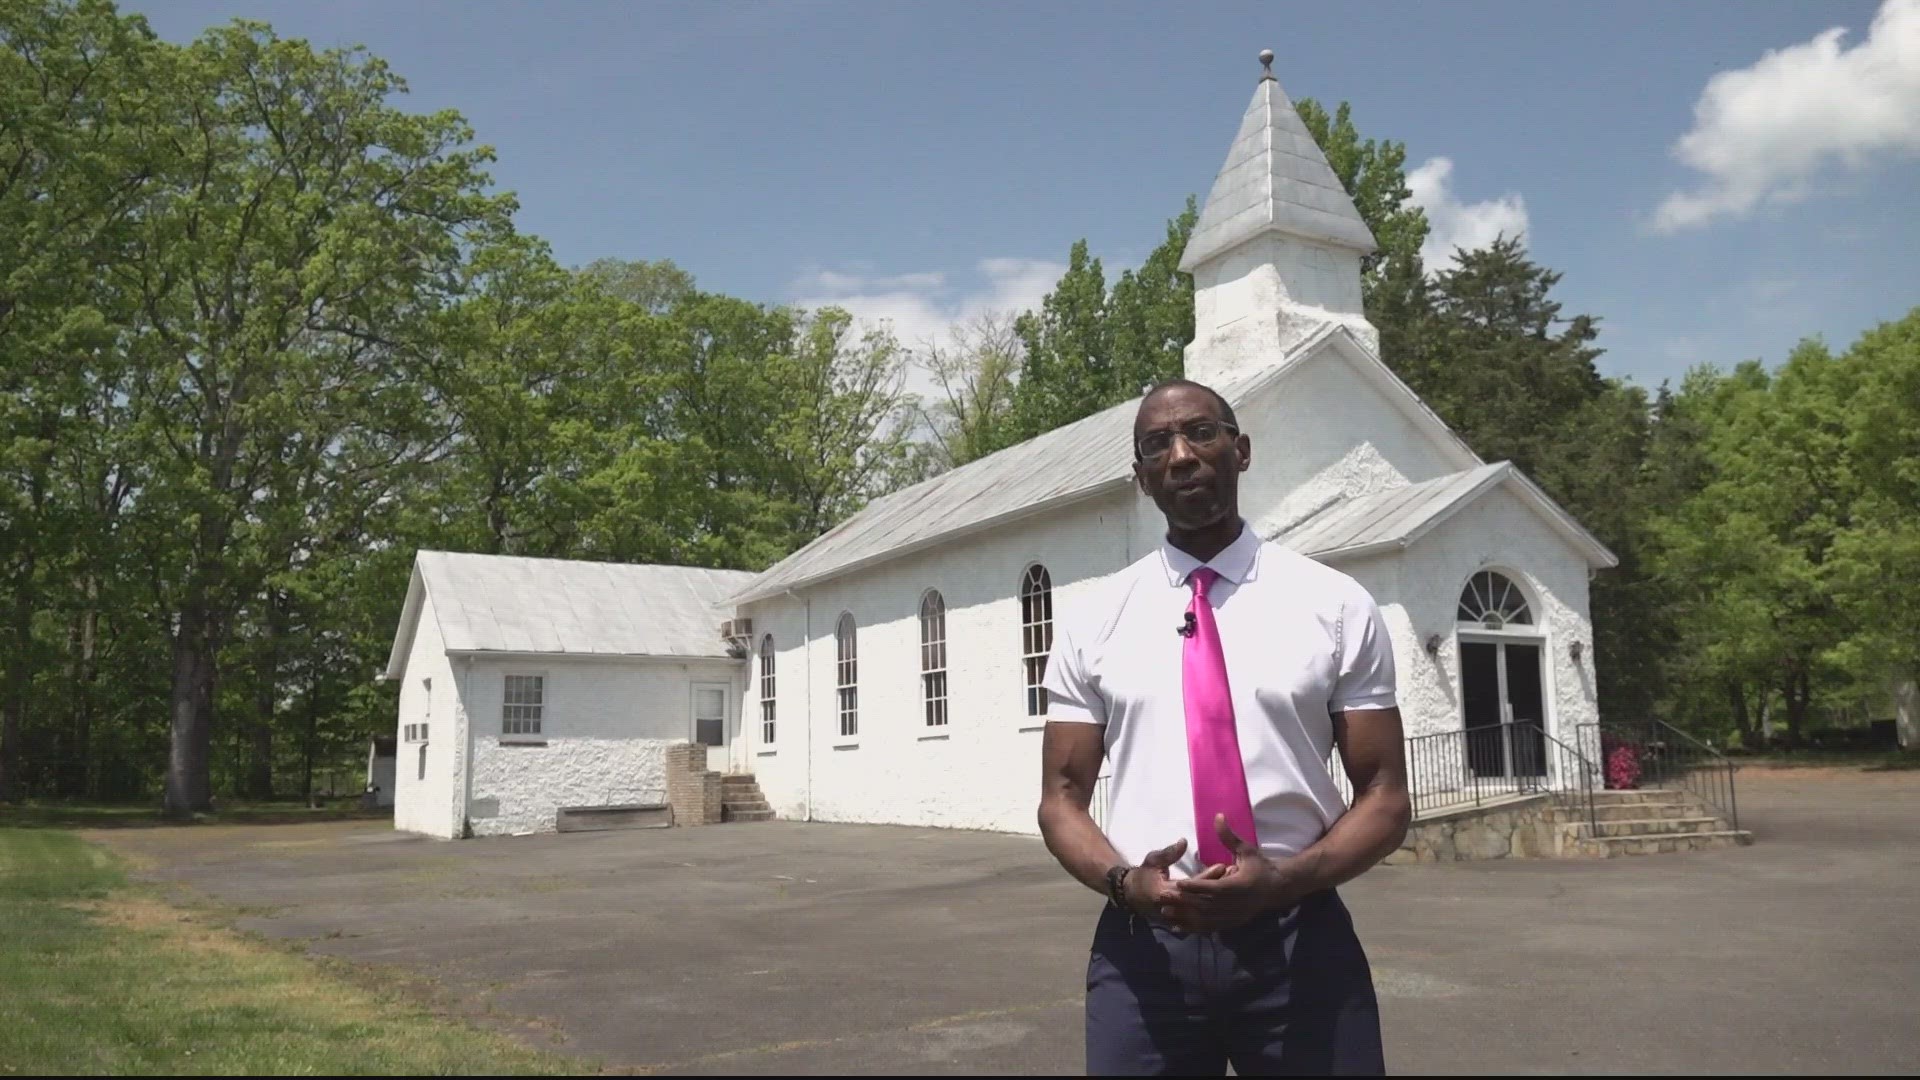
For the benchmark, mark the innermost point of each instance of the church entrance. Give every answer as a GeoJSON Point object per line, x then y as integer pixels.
{"type": "Point", "coordinates": [1503, 700]}
{"type": "Point", "coordinates": [1505, 708]}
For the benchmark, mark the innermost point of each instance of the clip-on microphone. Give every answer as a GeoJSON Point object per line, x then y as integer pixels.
{"type": "Point", "coordinates": [1187, 629]}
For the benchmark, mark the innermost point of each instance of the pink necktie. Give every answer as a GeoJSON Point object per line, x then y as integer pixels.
{"type": "Point", "coordinates": [1213, 747]}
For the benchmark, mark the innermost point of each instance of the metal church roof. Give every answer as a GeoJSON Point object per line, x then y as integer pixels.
{"type": "Point", "coordinates": [1393, 519]}
{"type": "Point", "coordinates": [513, 604]}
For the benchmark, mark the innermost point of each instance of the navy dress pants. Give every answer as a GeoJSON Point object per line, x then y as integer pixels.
{"type": "Point", "coordinates": [1285, 995]}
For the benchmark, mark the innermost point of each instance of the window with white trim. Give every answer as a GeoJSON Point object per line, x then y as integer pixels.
{"type": "Point", "coordinates": [523, 706]}
{"type": "Point", "coordinates": [847, 670]}
{"type": "Point", "coordinates": [933, 658]}
{"type": "Point", "coordinates": [766, 689]}
{"type": "Point", "coordinates": [1492, 600]}
{"type": "Point", "coordinates": [1036, 634]}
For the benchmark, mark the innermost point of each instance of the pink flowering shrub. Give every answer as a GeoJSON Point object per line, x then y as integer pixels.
{"type": "Point", "coordinates": [1622, 763]}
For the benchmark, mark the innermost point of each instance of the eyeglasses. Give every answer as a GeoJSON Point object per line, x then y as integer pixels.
{"type": "Point", "coordinates": [1198, 433]}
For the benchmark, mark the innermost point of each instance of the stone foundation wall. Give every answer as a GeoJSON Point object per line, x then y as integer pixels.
{"type": "Point", "coordinates": [1523, 829]}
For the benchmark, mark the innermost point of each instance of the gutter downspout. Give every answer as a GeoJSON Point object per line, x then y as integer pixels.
{"type": "Point", "coordinates": [806, 661]}
{"type": "Point", "coordinates": [464, 746]}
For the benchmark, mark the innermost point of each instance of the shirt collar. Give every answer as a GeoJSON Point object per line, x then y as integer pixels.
{"type": "Point", "coordinates": [1237, 562]}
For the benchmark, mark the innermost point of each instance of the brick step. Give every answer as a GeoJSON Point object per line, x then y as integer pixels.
{"type": "Point", "coordinates": [1645, 827]}
{"type": "Point", "coordinates": [745, 804]}
{"type": "Point", "coordinates": [738, 780]}
{"type": "Point", "coordinates": [731, 814]}
{"type": "Point", "coordinates": [1609, 847]}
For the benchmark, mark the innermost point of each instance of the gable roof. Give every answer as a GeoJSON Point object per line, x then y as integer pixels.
{"type": "Point", "coordinates": [1275, 180]}
{"type": "Point", "coordinates": [513, 604]}
{"type": "Point", "coordinates": [1394, 519]}
{"type": "Point", "coordinates": [1087, 458]}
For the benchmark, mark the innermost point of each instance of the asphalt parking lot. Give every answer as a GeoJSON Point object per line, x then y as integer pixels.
{"type": "Point", "coordinates": [793, 948]}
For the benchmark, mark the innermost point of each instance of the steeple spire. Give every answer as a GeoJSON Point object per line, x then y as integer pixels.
{"type": "Point", "coordinates": [1278, 239]}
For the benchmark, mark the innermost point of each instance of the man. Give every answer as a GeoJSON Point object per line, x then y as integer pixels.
{"type": "Point", "coordinates": [1216, 673]}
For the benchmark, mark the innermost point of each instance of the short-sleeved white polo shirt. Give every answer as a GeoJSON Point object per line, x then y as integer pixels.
{"type": "Point", "coordinates": [1302, 642]}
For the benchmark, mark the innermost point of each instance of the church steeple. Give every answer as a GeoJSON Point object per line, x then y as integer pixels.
{"type": "Point", "coordinates": [1276, 252]}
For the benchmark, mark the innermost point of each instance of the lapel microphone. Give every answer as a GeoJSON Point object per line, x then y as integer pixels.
{"type": "Point", "coordinates": [1188, 628]}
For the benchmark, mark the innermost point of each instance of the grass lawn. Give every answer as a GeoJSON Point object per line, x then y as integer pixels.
{"type": "Point", "coordinates": [66, 815]}
{"type": "Point", "coordinates": [100, 975]}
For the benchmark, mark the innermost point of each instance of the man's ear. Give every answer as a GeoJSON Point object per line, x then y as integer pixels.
{"type": "Point", "coordinates": [1140, 479]}
{"type": "Point", "coordinates": [1243, 448]}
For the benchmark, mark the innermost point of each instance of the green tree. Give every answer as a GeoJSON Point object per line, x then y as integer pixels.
{"type": "Point", "coordinates": [1068, 372]}
{"type": "Point", "coordinates": [1753, 553]}
{"type": "Point", "coordinates": [1149, 314]}
{"type": "Point", "coordinates": [298, 225]}
{"type": "Point", "coordinates": [1374, 174]}
{"type": "Point", "coordinates": [975, 373]}
{"type": "Point", "coordinates": [845, 424]}
{"type": "Point", "coordinates": [71, 179]}
{"type": "Point", "coordinates": [654, 287]}
{"type": "Point", "coordinates": [1873, 562]}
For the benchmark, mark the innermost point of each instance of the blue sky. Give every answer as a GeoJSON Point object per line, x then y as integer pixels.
{"type": "Point", "coordinates": [922, 162]}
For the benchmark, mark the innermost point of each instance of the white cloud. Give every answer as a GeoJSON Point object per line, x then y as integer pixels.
{"type": "Point", "coordinates": [1453, 224]}
{"type": "Point", "coordinates": [924, 307]}
{"type": "Point", "coordinates": [836, 282]}
{"type": "Point", "coordinates": [1771, 132]}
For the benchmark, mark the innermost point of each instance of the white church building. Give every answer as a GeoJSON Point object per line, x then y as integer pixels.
{"type": "Point", "coordinates": [889, 671]}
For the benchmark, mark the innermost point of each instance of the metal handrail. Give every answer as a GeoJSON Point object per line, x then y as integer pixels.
{"type": "Point", "coordinates": [1450, 769]}
{"type": "Point", "coordinates": [1701, 770]}
{"type": "Point", "coordinates": [1466, 767]}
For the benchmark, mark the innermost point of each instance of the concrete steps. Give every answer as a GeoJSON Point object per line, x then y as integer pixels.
{"type": "Point", "coordinates": [1628, 811]}
{"type": "Point", "coordinates": [741, 800]}
{"type": "Point", "coordinates": [1649, 826]}
{"type": "Point", "coordinates": [1609, 847]}
{"type": "Point", "coordinates": [1653, 821]}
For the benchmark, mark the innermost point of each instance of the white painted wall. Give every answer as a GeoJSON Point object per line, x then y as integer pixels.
{"type": "Point", "coordinates": [1497, 532]}
{"type": "Point", "coordinates": [429, 805]}
{"type": "Point", "coordinates": [1253, 303]}
{"type": "Point", "coordinates": [606, 728]}
{"type": "Point", "coordinates": [380, 777]}
{"type": "Point", "coordinates": [1324, 432]}
{"type": "Point", "coordinates": [982, 770]}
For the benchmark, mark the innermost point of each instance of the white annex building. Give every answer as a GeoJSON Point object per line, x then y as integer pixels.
{"type": "Point", "coordinates": [889, 671]}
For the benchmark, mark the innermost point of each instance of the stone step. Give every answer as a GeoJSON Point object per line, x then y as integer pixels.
{"type": "Point", "coordinates": [1577, 810]}
{"type": "Point", "coordinates": [1646, 826]}
{"type": "Point", "coordinates": [1640, 795]}
{"type": "Point", "coordinates": [731, 814]}
{"type": "Point", "coordinates": [745, 804]}
{"type": "Point", "coordinates": [738, 780]}
{"type": "Point", "coordinates": [1609, 847]}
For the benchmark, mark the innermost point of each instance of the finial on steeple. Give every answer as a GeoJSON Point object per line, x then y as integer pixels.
{"type": "Point", "coordinates": [1266, 61]}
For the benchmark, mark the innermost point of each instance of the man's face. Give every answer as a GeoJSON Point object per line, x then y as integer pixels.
{"type": "Point", "coordinates": [1194, 485]}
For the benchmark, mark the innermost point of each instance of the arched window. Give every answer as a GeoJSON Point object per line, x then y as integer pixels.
{"type": "Point", "coordinates": [766, 690]}
{"type": "Point", "coordinates": [1036, 634]}
{"type": "Point", "coordinates": [1492, 600]}
{"type": "Point", "coordinates": [933, 657]}
{"type": "Point", "coordinates": [848, 676]}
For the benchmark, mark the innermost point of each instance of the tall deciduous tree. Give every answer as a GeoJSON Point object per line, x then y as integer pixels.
{"type": "Point", "coordinates": [71, 177]}
{"type": "Point", "coordinates": [1149, 314]}
{"type": "Point", "coordinates": [975, 372]}
{"type": "Point", "coordinates": [1374, 174]}
{"type": "Point", "coordinates": [1068, 372]}
{"type": "Point", "coordinates": [299, 223]}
